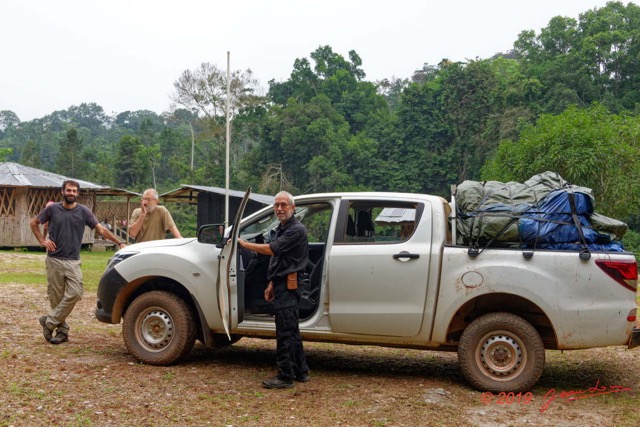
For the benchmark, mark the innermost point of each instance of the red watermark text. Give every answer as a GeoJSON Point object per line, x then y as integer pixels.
{"type": "Point", "coordinates": [573, 395]}
{"type": "Point", "coordinates": [510, 398]}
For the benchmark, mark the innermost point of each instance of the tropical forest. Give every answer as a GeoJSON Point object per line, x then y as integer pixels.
{"type": "Point", "coordinates": [564, 99]}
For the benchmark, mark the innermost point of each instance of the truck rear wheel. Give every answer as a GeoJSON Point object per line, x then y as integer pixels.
{"type": "Point", "coordinates": [501, 352]}
{"type": "Point", "coordinates": [158, 328]}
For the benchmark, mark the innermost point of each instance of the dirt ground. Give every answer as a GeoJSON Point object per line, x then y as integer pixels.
{"type": "Point", "coordinates": [92, 381]}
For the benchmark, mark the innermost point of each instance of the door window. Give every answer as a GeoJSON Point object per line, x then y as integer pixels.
{"type": "Point", "coordinates": [379, 222]}
{"type": "Point", "coordinates": [316, 218]}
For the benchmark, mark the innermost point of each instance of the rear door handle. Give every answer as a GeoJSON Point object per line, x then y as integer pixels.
{"type": "Point", "coordinates": [407, 255]}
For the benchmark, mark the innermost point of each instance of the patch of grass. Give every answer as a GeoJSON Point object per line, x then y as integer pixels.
{"type": "Point", "coordinates": [7, 421]}
{"type": "Point", "coordinates": [31, 269]}
{"type": "Point", "coordinates": [82, 418]}
{"type": "Point", "coordinates": [93, 265]}
{"type": "Point", "coordinates": [628, 405]}
{"type": "Point", "coordinates": [24, 391]}
{"type": "Point", "coordinates": [24, 269]}
{"type": "Point", "coordinates": [203, 396]}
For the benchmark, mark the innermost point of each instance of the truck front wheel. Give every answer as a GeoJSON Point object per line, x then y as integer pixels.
{"type": "Point", "coordinates": [158, 328]}
{"type": "Point", "coordinates": [501, 352]}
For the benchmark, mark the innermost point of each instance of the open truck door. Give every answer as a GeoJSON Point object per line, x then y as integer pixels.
{"type": "Point", "coordinates": [227, 283]}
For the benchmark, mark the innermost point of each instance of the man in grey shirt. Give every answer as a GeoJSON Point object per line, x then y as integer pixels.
{"type": "Point", "coordinates": [66, 222]}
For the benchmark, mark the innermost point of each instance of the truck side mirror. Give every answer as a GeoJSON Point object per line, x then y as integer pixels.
{"type": "Point", "coordinates": [211, 234]}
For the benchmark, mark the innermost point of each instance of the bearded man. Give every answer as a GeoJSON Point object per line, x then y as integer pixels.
{"type": "Point", "coordinates": [66, 222]}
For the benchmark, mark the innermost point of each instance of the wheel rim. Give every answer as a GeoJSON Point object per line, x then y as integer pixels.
{"type": "Point", "coordinates": [501, 355]}
{"type": "Point", "coordinates": [155, 329]}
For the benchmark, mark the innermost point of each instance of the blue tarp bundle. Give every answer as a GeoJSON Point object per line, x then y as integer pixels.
{"type": "Point", "coordinates": [545, 212]}
{"type": "Point", "coordinates": [551, 224]}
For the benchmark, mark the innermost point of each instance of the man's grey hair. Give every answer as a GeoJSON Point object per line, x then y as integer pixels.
{"type": "Point", "coordinates": [287, 195]}
{"type": "Point", "coordinates": [153, 192]}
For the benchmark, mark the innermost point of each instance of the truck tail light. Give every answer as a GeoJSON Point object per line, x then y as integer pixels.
{"type": "Point", "coordinates": [623, 272]}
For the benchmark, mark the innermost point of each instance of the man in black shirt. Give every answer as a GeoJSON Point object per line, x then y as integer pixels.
{"type": "Point", "coordinates": [289, 256]}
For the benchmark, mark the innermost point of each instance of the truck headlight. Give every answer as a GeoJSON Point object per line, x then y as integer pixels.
{"type": "Point", "coordinates": [118, 258]}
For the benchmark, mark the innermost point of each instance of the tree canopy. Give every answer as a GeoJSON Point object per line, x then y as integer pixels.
{"type": "Point", "coordinates": [564, 99]}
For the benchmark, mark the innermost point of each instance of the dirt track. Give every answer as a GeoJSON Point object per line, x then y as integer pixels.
{"type": "Point", "coordinates": [92, 381]}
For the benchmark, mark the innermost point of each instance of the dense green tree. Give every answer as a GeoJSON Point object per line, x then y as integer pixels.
{"type": "Point", "coordinates": [132, 121]}
{"type": "Point", "coordinates": [69, 161]}
{"type": "Point", "coordinates": [337, 78]}
{"type": "Point", "coordinates": [514, 101]}
{"type": "Point", "coordinates": [132, 166]}
{"type": "Point", "coordinates": [7, 119]}
{"type": "Point", "coordinates": [586, 60]}
{"type": "Point", "coordinates": [30, 155]}
{"type": "Point", "coordinates": [612, 43]}
{"type": "Point", "coordinates": [421, 159]}
{"type": "Point", "coordinates": [103, 165]}
{"type": "Point", "coordinates": [588, 147]}
{"type": "Point", "coordinates": [443, 124]}
{"type": "Point", "coordinates": [13, 137]}
{"type": "Point", "coordinates": [90, 116]}
{"type": "Point", "coordinates": [4, 154]}
{"type": "Point", "coordinates": [321, 131]}
{"type": "Point", "coordinates": [468, 94]}
{"type": "Point", "coordinates": [296, 134]}
{"type": "Point", "coordinates": [175, 160]}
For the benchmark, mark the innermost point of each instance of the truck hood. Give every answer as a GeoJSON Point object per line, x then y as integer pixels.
{"type": "Point", "coordinates": [159, 244]}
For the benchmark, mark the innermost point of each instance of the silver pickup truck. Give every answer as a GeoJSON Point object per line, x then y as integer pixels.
{"type": "Point", "coordinates": [383, 271]}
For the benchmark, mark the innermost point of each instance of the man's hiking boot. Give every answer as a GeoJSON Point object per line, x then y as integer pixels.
{"type": "Point", "coordinates": [60, 338]}
{"type": "Point", "coordinates": [302, 378]}
{"type": "Point", "coordinates": [46, 332]}
{"type": "Point", "coordinates": [276, 382]}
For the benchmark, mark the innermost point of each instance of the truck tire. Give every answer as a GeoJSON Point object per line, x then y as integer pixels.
{"type": "Point", "coordinates": [501, 352]}
{"type": "Point", "coordinates": [158, 328]}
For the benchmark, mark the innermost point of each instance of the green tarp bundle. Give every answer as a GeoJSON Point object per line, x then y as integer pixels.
{"type": "Point", "coordinates": [489, 211]}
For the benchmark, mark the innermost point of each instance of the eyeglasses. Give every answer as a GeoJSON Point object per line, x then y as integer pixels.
{"type": "Point", "coordinates": [281, 205]}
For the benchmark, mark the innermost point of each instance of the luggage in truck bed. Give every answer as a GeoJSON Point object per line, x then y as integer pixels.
{"type": "Point", "coordinates": [544, 212]}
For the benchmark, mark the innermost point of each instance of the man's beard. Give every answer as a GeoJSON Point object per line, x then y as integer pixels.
{"type": "Point", "coordinates": [70, 199]}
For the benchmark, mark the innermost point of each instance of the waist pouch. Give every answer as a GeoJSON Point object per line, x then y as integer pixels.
{"type": "Point", "coordinates": [292, 281]}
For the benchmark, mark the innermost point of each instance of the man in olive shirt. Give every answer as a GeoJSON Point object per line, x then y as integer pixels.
{"type": "Point", "coordinates": [150, 221]}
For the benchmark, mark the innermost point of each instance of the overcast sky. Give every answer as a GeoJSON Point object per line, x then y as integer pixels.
{"type": "Point", "coordinates": [126, 54]}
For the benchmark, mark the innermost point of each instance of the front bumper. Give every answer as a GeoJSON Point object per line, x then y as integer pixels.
{"type": "Point", "coordinates": [109, 288]}
{"type": "Point", "coordinates": [635, 338]}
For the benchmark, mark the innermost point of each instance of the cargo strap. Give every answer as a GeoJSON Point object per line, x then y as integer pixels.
{"type": "Point", "coordinates": [584, 253]}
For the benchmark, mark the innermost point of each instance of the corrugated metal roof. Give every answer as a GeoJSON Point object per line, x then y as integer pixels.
{"type": "Point", "coordinates": [17, 175]}
{"type": "Point", "coordinates": [184, 192]}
